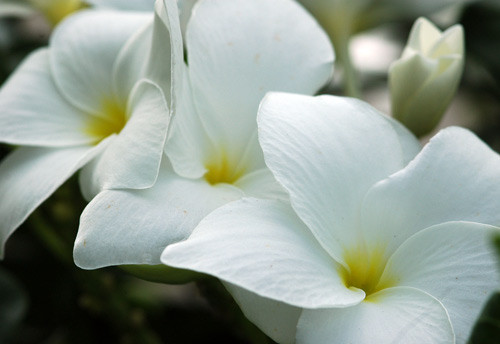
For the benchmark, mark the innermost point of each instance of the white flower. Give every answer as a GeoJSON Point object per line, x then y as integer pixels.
{"type": "Point", "coordinates": [373, 249]}
{"type": "Point", "coordinates": [236, 52]}
{"type": "Point", "coordinates": [424, 80]}
{"type": "Point", "coordinates": [84, 101]}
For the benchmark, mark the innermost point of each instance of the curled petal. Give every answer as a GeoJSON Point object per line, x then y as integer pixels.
{"type": "Point", "coordinates": [263, 247]}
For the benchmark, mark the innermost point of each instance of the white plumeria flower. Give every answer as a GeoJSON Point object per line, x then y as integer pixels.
{"type": "Point", "coordinates": [424, 80]}
{"type": "Point", "coordinates": [237, 51]}
{"type": "Point", "coordinates": [373, 249]}
{"type": "Point", "coordinates": [84, 102]}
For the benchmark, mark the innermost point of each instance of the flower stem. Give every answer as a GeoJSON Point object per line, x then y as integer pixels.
{"type": "Point", "coordinates": [350, 76]}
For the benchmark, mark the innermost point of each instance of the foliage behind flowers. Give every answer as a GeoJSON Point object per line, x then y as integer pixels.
{"type": "Point", "coordinates": [207, 102]}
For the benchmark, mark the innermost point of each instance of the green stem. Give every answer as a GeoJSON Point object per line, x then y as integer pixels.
{"type": "Point", "coordinates": [350, 75]}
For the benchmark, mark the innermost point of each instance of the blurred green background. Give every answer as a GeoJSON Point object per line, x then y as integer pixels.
{"type": "Point", "coordinates": [45, 298]}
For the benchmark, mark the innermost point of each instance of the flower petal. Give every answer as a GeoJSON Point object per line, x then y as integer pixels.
{"type": "Point", "coordinates": [239, 50]}
{"type": "Point", "coordinates": [454, 178]}
{"type": "Point", "coordinates": [262, 246]}
{"type": "Point", "coordinates": [261, 184]}
{"type": "Point", "coordinates": [134, 226]}
{"type": "Point", "coordinates": [130, 65]}
{"type": "Point", "coordinates": [83, 49]}
{"type": "Point", "coordinates": [34, 112]}
{"type": "Point", "coordinates": [166, 59]}
{"type": "Point", "coordinates": [276, 319]}
{"type": "Point", "coordinates": [327, 152]}
{"type": "Point", "coordinates": [455, 262]}
{"type": "Point", "coordinates": [188, 144]}
{"type": "Point", "coordinates": [395, 315]}
{"type": "Point", "coordinates": [423, 36]}
{"type": "Point", "coordinates": [134, 5]}
{"type": "Point", "coordinates": [29, 176]}
{"type": "Point", "coordinates": [132, 160]}
{"type": "Point", "coordinates": [410, 145]}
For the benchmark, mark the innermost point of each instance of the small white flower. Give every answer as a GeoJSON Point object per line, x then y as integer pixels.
{"type": "Point", "coordinates": [237, 51]}
{"type": "Point", "coordinates": [373, 249]}
{"type": "Point", "coordinates": [85, 102]}
{"type": "Point", "coordinates": [424, 80]}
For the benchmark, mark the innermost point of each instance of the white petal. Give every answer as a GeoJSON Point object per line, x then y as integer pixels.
{"type": "Point", "coordinates": [188, 145]}
{"type": "Point", "coordinates": [423, 36]}
{"type": "Point", "coordinates": [409, 143]}
{"type": "Point", "coordinates": [276, 319]}
{"type": "Point", "coordinates": [166, 59]}
{"type": "Point", "coordinates": [83, 49]}
{"type": "Point", "coordinates": [263, 247]}
{"type": "Point", "coordinates": [454, 178]}
{"type": "Point", "coordinates": [131, 62]}
{"type": "Point", "coordinates": [420, 102]}
{"type": "Point", "coordinates": [261, 184]}
{"type": "Point", "coordinates": [327, 152]}
{"type": "Point", "coordinates": [396, 315]}
{"type": "Point", "coordinates": [406, 78]}
{"type": "Point", "coordinates": [455, 262]}
{"type": "Point", "coordinates": [29, 176]}
{"type": "Point", "coordinates": [135, 5]}
{"type": "Point", "coordinates": [185, 10]}
{"type": "Point", "coordinates": [133, 227]}
{"type": "Point", "coordinates": [34, 112]}
{"type": "Point", "coordinates": [239, 50]}
{"type": "Point", "coordinates": [132, 159]}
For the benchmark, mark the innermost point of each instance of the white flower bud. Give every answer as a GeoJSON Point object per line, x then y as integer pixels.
{"type": "Point", "coordinates": [424, 80]}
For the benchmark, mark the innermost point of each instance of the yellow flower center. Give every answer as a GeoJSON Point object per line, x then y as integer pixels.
{"type": "Point", "coordinates": [111, 121]}
{"type": "Point", "coordinates": [222, 170]}
{"type": "Point", "coordinates": [365, 269]}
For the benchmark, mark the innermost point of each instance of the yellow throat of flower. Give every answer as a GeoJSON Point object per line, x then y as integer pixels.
{"type": "Point", "coordinates": [57, 10]}
{"type": "Point", "coordinates": [365, 269]}
{"type": "Point", "coordinates": [111, 121]}
{"type": "Point", "coordinates": [222, 169]}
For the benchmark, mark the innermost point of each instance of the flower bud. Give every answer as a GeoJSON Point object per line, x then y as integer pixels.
{"type": "Point", "coordinates": [423, 81]}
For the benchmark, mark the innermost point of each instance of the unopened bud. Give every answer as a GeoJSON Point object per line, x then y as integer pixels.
{"type": "Point", "coordinates": [424, 80]}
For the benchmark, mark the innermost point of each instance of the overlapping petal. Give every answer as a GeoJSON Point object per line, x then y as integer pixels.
{"type": "Point", "coordinates": [166, 59]}
{"type": "Point", "coordinates": [132, 159]}
{"type": "Point", "coordinates": [395, 315]}
{"type": "Point", "coordinates": [134, 226]}
{"type": "Point", "coordinates": [33, 112]}
{"type": "Point", "coordinates": [326, 171]}
{"type": "Point", "coordinates": [234, 60]}
{"type": "Point", "coordinates": [276, 319]}
{"type": "Point", "coordinates": [131, 63]}
{"type": "Point", "coordinates": [30, 175]}
{"type": "Point", "coordinates": [454, 178]}
{"type": "Point", "coordinates": [262, 246]}
{"type": "Point", "coordinates": [454, 262]}
{"type": "Point", "coordinates": [82, 57]}
{"type": "Point", "coordinates": [188, 142]}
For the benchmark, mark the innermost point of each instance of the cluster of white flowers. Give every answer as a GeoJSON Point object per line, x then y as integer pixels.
{"type": "Point", "coordinates": [201, 146]}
